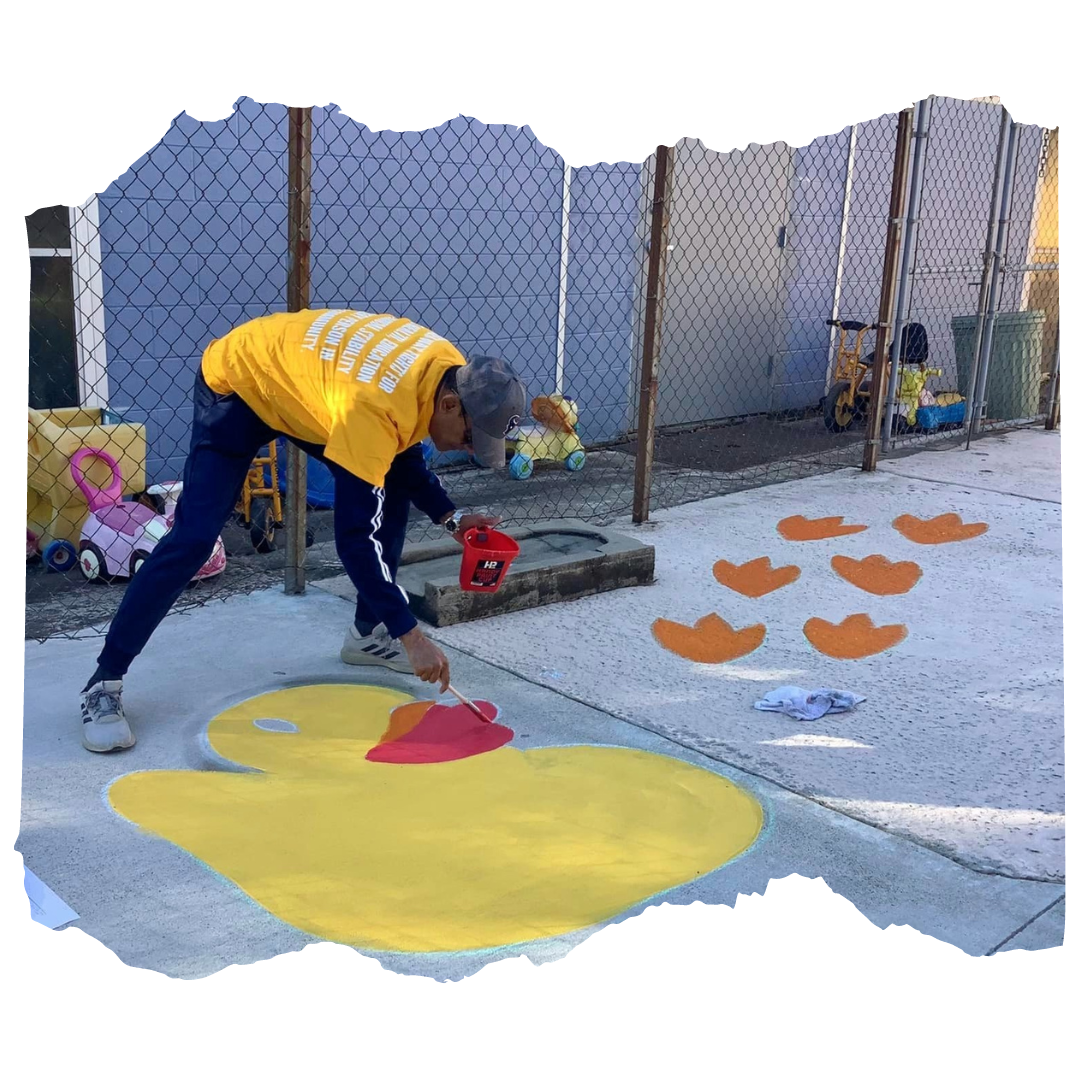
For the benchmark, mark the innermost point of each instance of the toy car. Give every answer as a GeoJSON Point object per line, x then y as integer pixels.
{"type": "Point", "coordinates": [117, 537]}
{"type": "Point", "coordinates": [555, 440]}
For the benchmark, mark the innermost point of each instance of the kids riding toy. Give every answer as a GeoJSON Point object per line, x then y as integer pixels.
{"type": "Point", "coordinates": [117, 537]}
{"type": "Point", "coordinates": [260, 509]}
{"type": "Point", "coordinates": [556, 439]}
{"type": "Point", "coordinates": [847, 403]}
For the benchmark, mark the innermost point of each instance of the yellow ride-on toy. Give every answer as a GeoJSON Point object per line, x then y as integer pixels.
{"type": "Point", "coordinates": [847, 402]}
{"type": "Point", "coordinates": [259, 508]}
{"type": "Point", "coordinates": [555, 439]}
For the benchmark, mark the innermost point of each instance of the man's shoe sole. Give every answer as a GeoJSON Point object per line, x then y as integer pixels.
{"type": "Point", "coordinates": [361, 659]}
{"type": "Point", "coordinates": [122, 745]}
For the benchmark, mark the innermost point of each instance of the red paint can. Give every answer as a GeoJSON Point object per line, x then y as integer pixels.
{"type": "Point", "coordinates": [486, 559]}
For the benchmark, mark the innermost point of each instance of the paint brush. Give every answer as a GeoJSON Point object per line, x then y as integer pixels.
{"type": "Point", "coordinates": [468, 704]}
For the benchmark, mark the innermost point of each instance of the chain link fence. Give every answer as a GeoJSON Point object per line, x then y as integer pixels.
{"type": "Point", "coordinates": [978, 293]}
{"type": "Point", "coordinates": [724, 307]}
{"type": "Point", "coordinates": [772, 255]}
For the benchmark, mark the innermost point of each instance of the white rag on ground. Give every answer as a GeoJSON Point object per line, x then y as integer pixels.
{"type": "Point", "coordinates": [808, 705]}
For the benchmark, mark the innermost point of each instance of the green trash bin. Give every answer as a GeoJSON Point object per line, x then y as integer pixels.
{"type": "Point", "coordinates": [1014, 381]}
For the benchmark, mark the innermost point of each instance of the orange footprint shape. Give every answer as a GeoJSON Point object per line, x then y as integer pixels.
{"type": "Point", "coordinates": [709, 641]}
{"type": "Point", "coordinates": [852, 639]}
{"type": "Point", "coordinates": [876, 574]}
{"type": "Point", "coordinates": [944, 529]}
{"type": "Point", "coordinates": [801, 528]}
{"type": "Point", "coordinates": [754, 578]}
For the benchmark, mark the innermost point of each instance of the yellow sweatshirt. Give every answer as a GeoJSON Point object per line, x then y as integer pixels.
{"type": "Point", "coordinates": [360, 384]}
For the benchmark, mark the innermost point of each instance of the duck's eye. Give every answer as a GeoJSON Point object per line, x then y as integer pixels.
{"type": "Point", "coordinates": [272, 723]}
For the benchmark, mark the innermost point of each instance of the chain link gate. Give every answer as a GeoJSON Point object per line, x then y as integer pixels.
{"type": "Point", "coordinates": [978, 291]}
{"type": "Point", "coordinates": [710, 303]}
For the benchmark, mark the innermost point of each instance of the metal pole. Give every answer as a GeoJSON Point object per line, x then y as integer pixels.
{"type": "Point", "coordinates": [564, 262]}
{"type": "Point", "coordinates": [888, 290]}
{"type": "Point", "coordinates": [845, 213]}
{"type": "Point", "coordinates": [987, 270]}
{"type": "Point", "coordinates": [907, 261]}
{"type": "Point", "coordinates": [995, 284]}
{"type": "Point", "coordinates": [1053, 412]}
{"type": "Point", "coordinates": [298, 298]}
{"type": "Point", "coordinates": [651, 338]}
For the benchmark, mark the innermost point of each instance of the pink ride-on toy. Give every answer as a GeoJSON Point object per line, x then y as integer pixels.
{"type": "Point", "coordinates": [162, 498]}
{"type": "Point", "coordinates": [117, 537]}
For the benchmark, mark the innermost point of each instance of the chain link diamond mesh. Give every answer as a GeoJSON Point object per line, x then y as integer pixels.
{"type": "Point", "coordinates": [771, 258]}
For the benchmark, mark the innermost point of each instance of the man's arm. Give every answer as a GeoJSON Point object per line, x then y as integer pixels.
{"type": "Point", "coordinates": [424, 488]}
{"type": "Point", "coordinates": [426, 491]}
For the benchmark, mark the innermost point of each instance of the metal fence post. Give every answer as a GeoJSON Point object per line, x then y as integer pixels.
{"type": "Point", "coordinates": [921, 136]}
{"type": "Point", "coordinates": [888, 290]}
{"type": "Point", "coordinates": [1053, 411]}
{"type": "Point", "coordinates": [982, 362]}
{"type": "Point", "coordinates": [988, 269]}
{"type": "Point", "coordinates": [841, 250]}
{"type": "Point", "coordinates": [651, 337]}
{"type": "Point", "coordinates": [299, 289]}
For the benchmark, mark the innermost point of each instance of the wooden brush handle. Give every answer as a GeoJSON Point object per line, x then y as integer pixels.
{"type": "Point", "coordinates": [468, 704]}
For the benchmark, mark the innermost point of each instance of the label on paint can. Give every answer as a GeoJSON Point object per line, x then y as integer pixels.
{"type": "Point", "coordinates": [487, 572]}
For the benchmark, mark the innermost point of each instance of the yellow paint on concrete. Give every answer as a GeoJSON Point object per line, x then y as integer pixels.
{"type": "Point", "coordinates": [504, 847]}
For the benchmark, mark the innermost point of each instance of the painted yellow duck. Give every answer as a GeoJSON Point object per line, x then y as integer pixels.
{"type": "Point", "coordinates": [496, 848]}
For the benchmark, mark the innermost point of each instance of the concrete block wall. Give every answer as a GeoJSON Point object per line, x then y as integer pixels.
{"type": "Point", "coordinates": [193, 242]}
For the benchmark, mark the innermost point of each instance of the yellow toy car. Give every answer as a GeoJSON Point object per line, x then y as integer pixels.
{"type": "Point", "coordinates": [556, 439]}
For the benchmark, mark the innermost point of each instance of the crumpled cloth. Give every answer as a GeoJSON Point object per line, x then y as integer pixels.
{"type": "Point", "coordinates": [802, 704]}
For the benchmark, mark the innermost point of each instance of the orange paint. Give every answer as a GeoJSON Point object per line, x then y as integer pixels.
{"type": "Point", "coordinates": [756, 578]}
{"type": "Point", "coordinates": [876, 574]}
{"type": "Point", "coordinates": [944, 529]}
{"type": "Point", "coordinates": [403, 719]}
{"type": "Point", "coordinates": [801, 528]}
{"type": "Point", "coordinates": [709, 641]}
{"type": "Point", "coordinates": [854, 638]}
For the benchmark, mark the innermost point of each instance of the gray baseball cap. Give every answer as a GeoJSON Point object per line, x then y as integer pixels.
{"type": "Point", "coordinates": [494, 401]}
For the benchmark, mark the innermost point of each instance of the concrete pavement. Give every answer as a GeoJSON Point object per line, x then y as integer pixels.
{"type": "Point", "coordinates": [960, 744]}
{"type": "Point", "coordinates": [957, 748]}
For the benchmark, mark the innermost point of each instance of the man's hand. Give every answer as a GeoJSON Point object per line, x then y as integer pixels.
{"type": "Point", "coordinates": [428, 661]}
{"type": "Point", "coordinates": [475, 521]}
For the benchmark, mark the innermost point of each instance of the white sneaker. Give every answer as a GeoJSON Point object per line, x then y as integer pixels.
{"type": "Point", "coordinates": [378, 648]}
{"type": "Point", "coordinates": [104, 726]}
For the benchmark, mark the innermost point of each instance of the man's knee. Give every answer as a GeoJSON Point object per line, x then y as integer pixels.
{"type": "Point", "coordinates": [190, 539]}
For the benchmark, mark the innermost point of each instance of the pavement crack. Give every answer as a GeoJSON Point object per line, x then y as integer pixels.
{"type": "Point", "coordinates": [971, 487]}
{"type": "Point", "coordinates": [1023, 926]}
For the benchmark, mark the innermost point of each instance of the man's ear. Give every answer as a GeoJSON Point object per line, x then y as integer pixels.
{"type": "Point", "coordinates": [448, 402]}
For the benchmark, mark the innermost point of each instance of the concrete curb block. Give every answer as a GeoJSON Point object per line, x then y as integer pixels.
{"type": "Point", "coordinates": [567, 560]}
